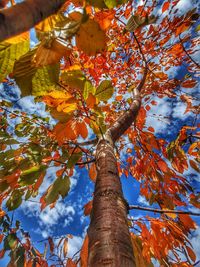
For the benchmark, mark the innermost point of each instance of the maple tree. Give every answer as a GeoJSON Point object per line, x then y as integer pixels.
{"type": "Point", "coordinates": [98, 66]}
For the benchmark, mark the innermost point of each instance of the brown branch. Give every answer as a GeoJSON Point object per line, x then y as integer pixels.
{"type": "Point", "coordinates": [125, 121]}
{"type": "Point", "coordinates": [23, 16]}
{"type": "Point", "coordinates": [134, 207]}
{"type": "Point", "coordinates": [86, 143]}
{"type": "Point", "coordinates": [186, 52]}
{"type": "Point", "coordinates": [77, 163]}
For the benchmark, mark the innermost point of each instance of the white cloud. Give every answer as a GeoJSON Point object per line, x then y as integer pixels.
{"type": "Point", "coordinates": [48, 218]}
{"type": "Point", "coordinates": [74, 245]}
{"type": "Point", "coordinates": [157, 117]}
{"type": "Point", "coordinates": [142, 200]}
{"type": "Point", "coordinates": [195, 243]}
{"type": "Point", "coordinates": [179, 111]}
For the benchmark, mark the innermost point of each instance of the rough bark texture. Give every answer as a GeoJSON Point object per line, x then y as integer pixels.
{"type": "Point", "coordinates": [109, 238]}
{"type": "Point", "coordinates": [125, 121]}
{"type": "Point", "coordinates": [25, 15]}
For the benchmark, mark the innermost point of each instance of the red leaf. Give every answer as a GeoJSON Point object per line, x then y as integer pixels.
{"type": "Point", "coordinates": [165, 6]}
{"type": "Point", "coordinates": [88, 208]}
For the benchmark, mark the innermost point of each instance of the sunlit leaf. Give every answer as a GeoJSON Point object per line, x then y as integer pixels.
{"type": "Point", "coordinates": [104, 91]}
{"type": "Point", "coordinates": [91, 39]}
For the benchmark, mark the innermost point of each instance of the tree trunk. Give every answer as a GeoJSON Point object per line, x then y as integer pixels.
{"type": "Point", "coordinates": [109, 238]}
{"type": "Point", "coordinates": [25, 15]}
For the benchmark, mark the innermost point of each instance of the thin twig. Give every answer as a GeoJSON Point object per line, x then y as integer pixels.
{"type": "Point", "coordinates": [134, 207]}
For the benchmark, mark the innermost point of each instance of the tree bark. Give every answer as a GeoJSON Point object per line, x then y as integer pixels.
{"type": "Point", "coordinates": [109, 238]}
{"type": "Point", "coordinates": [25, 15]}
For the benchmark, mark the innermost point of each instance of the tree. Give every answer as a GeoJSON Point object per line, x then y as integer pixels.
{"type": "Point", "coordinates": [99, 70]}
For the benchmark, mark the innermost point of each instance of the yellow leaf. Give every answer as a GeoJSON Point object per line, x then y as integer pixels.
{"type": "Point", "coordinates": [60, 94]}
{"type": "Point", "coordinates": [19, 38]}
{"type": "Point", "coordinates": [90, 38]}
{"type": "Point", "coordinates": [67, 107]}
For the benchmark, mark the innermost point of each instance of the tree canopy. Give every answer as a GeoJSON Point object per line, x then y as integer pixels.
{"type": "Point", "coordinates": [104, 67]}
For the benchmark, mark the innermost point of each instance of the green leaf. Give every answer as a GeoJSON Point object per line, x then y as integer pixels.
{"type": "Point", "coordinates": [10, 242]}
{"type": "Point", "coordinates": [29, 176]}
{"type": "Point", "coordinates": [88, 88]}
{"type": "Point", "coordinates": [104, 91]}
{"type": "Point", "coordinates": [97, 3]}
{"type": "Point", "coordinates": [15, 200]}
{"type": "Point", "coordinates": [9, 53]}
{"type": "Point", "coordinates": [73, 159]}
{"type": "Point", "coordinates": [45, 79]}
{"type": "Point", "coordinates": [32, 80]}
{"type": "Point", "coordinates": [74, 79]}
{"type": "Point", "coordinates": [114, 3]}
{"type": "Point", "coordinates": [197, 28]}
{"type": "Point", "coordinates": [61, 187]}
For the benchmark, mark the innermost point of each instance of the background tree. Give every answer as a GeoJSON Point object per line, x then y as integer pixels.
{"type": "Point", "coordinates": [99, 66]}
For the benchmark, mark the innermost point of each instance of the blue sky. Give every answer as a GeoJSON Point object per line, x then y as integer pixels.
{"type": "Point", "coordinates": [67, 217]}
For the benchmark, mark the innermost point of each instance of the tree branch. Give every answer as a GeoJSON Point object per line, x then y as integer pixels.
{"type": "Point", "coordinates": [134, 207]}
{"type": "Point", "coordinates": [85, 143]}
{"type": "Point", "coordinates": [186, 52]}
{"type": "Point", "coordinates": [25, 15]}
{"type": "Point", "coordinates": [125, 121]}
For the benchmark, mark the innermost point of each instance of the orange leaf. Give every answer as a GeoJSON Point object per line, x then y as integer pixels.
{"type": "Point", "coordinates": [162, 165]}
{"type": "Point", "coordinates": [51, 244]}
{"type": "Point", "coordinates": [151, 129]}
{"type": "Point", "coordinates": [91, 101]}
{"type": "Point", "coordinates": [194, 165]}
{"type": "Point", "coordinates": [71, 263]}
{"type": "Point", "coordinates": [165, 6]}
{"type": "Point", "coordinates": [39, 182]}
{"type": "Point", "coordinates": [187, 222]}
{"type": "Point", "coordinates": [93, 172]}
{"type": "Point", "coordinates": [118, 97]}
{"type": "Point", "coordinates": [81, 129]}
{"type": "Point", "coordinates": [189, 83]}
{"type": "Point", "coordinates": [2, 213]}
{"type": "Point", "coordinates": [88, 208]}
{"type": "Point", "coordinates": [13, 178]}
{"type": "Point", "coordinates": [65, 247]}
{"type": "Point", "coordinates": [147, 107]}
{"type": "Point", "coordinates": [29, 263]}
{"type": "Point", "coordinates": [84, 253]}
{"type": "Point", "coordinates": [1, 237]}
{"type": "Point", "coordinates": [191, 253]}
{"type": "Point", "coordinates": [2, 252]}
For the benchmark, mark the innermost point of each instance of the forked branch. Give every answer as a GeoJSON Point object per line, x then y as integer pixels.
{"type": "Point", "coordinates": [125, 121]}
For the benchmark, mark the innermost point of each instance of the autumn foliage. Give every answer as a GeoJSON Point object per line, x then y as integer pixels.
{"type": "Point", "coordinates": [88, 59]}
